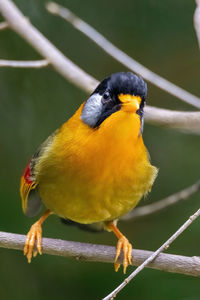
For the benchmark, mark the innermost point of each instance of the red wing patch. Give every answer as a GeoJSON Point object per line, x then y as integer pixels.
{"type": "Point", "coordinates": [27, 174]}
{"type": "Point", "coordinates": [27, 184]}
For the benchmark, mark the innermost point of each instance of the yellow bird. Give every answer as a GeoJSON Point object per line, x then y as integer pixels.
{"type": "Point", "coordinates": [95, 168]}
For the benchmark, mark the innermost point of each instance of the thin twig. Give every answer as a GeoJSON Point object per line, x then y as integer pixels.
{"type": "Point", "coordinates": [188, 121]}
{"type": "Point", "coordinates": [197, 21]}
{"type": "Point", "coordinates": [63, 65]}
{"type": "Point", "coordinates": [153, 256]}
{"type": "Point", "coordinates": [162, 204]}
{"type": "Point", "coordinates": [24, 63]}
{"type": "Point", "coordinates": [106, 254]}
{"type": "Point", "coordinates": [3, 25]}
{"type": "Point", "coordinates": [122, 57]}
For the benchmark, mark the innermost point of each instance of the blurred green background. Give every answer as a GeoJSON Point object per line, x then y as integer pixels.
{"type": "Point", "coordinates": [33, 103]}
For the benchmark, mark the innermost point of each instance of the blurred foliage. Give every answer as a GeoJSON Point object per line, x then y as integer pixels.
{"type": "Point", "coordinates": [33, 103]}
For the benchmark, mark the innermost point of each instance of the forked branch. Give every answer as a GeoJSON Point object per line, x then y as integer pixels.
{"type": "Point", "coordinates": [20, 24]}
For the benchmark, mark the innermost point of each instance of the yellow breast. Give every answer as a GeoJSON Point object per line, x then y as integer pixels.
{"type": "Point", "coordinates": [91, 175]}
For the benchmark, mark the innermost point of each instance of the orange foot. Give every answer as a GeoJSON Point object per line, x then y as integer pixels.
{"type": "Point", "coordinates": [35, 235]}
{"type": "Point", "coordinates": [122, 244]}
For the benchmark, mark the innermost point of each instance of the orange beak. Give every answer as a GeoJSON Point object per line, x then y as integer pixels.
{"type": "Point", "coordinates": [129, 102]}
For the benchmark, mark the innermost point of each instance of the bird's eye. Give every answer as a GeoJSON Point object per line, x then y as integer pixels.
{"type": "Point", "coordinates": [106, 97]}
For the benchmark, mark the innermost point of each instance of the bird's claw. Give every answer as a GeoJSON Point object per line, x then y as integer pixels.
{"type": "Point", "coordinates": [34, 234]}
{"type": "Point", "coordinates": [123, 244]}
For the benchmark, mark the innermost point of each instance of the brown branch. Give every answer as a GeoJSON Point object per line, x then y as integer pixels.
{"type": "Point", "coordinates": [197, 21]}
{"type": "Point", "coordinates": [37, 64]}
{"type": "Point", "coordinates": [122, 57]}
{"type": "Point", "coordinates": [151, 258]}
{"type": "Point", "coordinates": [106, 254]}
{"type": "Point", "coordinates": [188, 121]}
{"type": "Point", "coordinates": [162, 204]}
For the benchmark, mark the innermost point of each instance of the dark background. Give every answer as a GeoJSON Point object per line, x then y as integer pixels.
{"type": "Point", "coordinates": [33, 103]}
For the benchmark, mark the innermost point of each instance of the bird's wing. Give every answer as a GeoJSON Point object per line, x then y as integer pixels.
{"type": "Point", "coordinates": [31, 202]}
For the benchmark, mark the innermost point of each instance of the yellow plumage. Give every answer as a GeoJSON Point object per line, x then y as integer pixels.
{"type": "Point", "coordinates": [91, 175]}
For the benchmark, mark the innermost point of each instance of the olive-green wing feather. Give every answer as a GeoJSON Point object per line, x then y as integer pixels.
{"type": "Point", "coordinates": [31, 202]}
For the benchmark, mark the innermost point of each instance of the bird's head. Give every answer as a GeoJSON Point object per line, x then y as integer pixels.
{"type": "Point", "coordinates": [121, 91]}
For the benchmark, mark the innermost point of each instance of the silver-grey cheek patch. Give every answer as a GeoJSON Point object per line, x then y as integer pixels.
{"type": "Point", "coordinates": [92, 110]}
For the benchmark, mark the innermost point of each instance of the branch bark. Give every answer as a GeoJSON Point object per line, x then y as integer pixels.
{"type": "Point", "coordinates": [162, 204]}
{"type": "Point", "coordinates": [100, 253]}
{"type": "Point", "coordinates": [122, 57]}
{"type": "Point", "coordinates": [185, 121]}
{"type": "Point", "coordinates": [37, 64]}
{"type": "Point", "coordinates": [188, 121]}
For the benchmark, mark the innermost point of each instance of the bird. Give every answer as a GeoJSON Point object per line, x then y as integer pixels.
{"type": "Point", "coordinates": [95, 168]}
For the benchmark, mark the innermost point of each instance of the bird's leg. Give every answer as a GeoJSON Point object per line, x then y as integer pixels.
{"type": "Point", "coordinates": [122, 244]}
{"type": "Point", "coordinates": [35, 234]}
